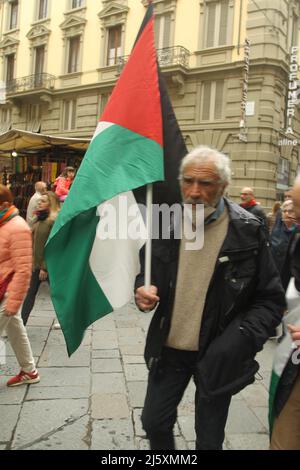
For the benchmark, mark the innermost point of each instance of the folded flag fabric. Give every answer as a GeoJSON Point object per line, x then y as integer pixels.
{"type": "Point", "coordinates": [284, 350]}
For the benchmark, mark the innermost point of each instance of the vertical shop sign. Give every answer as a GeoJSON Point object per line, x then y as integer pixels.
{"type": "Point", "coordinates": [242, 134]}
{"type": "Point", "coordinates": [293, 90]}
{"type": "Point", "coordinates": [293, 93]}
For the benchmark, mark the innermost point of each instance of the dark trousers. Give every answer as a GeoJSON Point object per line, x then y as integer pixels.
{"type": "Point", "coordinates": [165, 390]}
{"type": "Point", "coordinates": [31, 295]}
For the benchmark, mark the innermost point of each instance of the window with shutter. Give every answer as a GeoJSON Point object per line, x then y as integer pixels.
{"type": "Point", "coordinates": [73, 115]}
{"type": "Point", "coordinates": [212, 100]}
{"type": "Point", "coordinates": [10, 67]}
{"type": "Point", "coordinates": [13, 18]}
{"type": "Point", "coordinates": [76, 3]}
{"type": "Point", "coordinates": [206, 100]}
{"type": "Point", "coordinates": [33, 118]}
{"type": "Point", "coordinates": [223, 23]}
{"type": "Point", "coordinates": [167, 30]}
{"type": "Point", "coordinates": [103, 102]}
{"type": "Point", "coordinates": [33, 112]}
{"type": "Point", "coordinates": [5, 115]}
{"type": "Point", "coordinates": [43, 9]}
{"type": "Point", "coordinates": [219, 99]}
{"type": "Point", "coordinates": [39, 60]}
{"type": "Point", "coordinates": [216, 23]}
{"type": "Point", "coordinates": [114, 45]}
{"type": "Point", "coordinates": [66, 115]}
{"type": "Point", "coordinates": [69, 115]}
{"type": "Point", "coordinates": [162, 29]}
{"type": "Point", "coordinates": [74, 48]}
{"type": "Point", "coordinates": [157, 20]}
{"type": "Point", "coordinates": [5, 120]}
{"type": "Point", "coordinates": [211, 20]}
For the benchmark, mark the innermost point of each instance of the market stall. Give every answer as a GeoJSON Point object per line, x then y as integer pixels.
{"type": "Point", "coordinates": [27, 157]}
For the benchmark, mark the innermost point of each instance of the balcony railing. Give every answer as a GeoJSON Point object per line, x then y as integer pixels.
{"type": "Point", "coordinates": [177, 55]}
{"type": "Point", "coordinates": [31, 82]}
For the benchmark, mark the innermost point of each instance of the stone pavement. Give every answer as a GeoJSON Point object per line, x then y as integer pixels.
{"type": "Point", "coordinates": [94, 399]}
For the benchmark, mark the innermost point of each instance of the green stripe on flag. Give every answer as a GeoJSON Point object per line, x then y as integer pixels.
{"type": "Point", "coordinates": [117, 160]}
{"type": "Point", "coordinates": [272, 393]}
{"type": "Point", "coordinates": [74, 289]}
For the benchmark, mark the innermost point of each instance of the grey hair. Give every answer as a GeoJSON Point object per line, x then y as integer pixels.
{"type": "Point", "coordinates": [288, 202]}
{"type": "Point", "coordinates": [204, 154]}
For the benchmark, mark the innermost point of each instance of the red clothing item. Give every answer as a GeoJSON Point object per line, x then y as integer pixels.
{"type": "Point", "coordinates": [249, 204]}
{"type": "Point", "coordinates": [62, 186]}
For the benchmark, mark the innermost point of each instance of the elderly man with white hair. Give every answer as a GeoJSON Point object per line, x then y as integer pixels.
{"type": "Point", "coordinates": [216, 307]}
{"type": "Point", "coordinates": [40, 189]}
{"type": "Point", "coordinates": [282, 233]}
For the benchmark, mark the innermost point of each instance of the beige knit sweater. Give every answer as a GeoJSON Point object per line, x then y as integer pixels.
{"type": "Point", "coordinates": [195, 271]}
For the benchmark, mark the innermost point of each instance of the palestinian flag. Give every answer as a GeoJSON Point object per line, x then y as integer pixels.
{"type": "Point", "coordinates": [137, 142]}
{"type": "Point", "coordinates": [285, 349]}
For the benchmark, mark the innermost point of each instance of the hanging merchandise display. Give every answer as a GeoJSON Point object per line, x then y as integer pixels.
{"type": "Point", "coordinates": [36, 157]}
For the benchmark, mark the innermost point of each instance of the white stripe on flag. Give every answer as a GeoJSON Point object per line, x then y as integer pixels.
{"type": "Point", "coordinates": [101, 127]}
{"type": "Point", "coordinates": [115, 262]}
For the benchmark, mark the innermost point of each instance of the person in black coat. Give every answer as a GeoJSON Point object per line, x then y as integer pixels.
{"type": "Point", "coordinates": [282, 233]}
{"type": "Point", "coordinates": [216, 307]}
{"type": "Point", "coordinates": [249, 203]}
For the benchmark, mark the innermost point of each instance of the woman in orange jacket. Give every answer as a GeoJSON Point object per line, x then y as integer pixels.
{"type": "Point", "coordinates": [15, 274]}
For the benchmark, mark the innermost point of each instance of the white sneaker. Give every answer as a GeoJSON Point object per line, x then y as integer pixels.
{"type": "Point", "coordinates": [56, 326]}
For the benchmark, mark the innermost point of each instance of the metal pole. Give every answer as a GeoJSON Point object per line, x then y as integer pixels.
{"type": "Point", "coordinates": [149, 199]}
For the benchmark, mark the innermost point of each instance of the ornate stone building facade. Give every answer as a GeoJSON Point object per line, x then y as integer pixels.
{"type": "Point", "coordinates": [227, 64]}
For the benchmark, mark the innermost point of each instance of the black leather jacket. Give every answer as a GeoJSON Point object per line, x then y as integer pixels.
{"type": "Point", "coordinates": [244, 303]}
{"type": "Point", "coordinates": [258, 212]}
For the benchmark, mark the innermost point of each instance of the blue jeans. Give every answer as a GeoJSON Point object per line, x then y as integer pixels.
{"type": "Point", "coordinates": [165, 390]}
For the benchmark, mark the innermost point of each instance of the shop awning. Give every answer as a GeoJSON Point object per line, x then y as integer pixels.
{"type": "Point", "coordinates": [28, 143]}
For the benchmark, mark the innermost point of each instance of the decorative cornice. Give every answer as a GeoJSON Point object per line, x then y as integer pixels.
{"type": "Point", "coordinates": [9, 42]}
{"type": "Point", "coordinates": [38, 31]}
{"type": "Point", "coordinates": [73, 21]}
{"type": "Point", "coordinates": [113, 9]}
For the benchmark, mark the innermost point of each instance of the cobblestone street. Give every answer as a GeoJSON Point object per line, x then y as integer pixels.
{"type": "Point", "coordinates": [94, 399]}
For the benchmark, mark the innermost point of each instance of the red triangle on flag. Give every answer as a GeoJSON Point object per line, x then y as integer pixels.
{"type": "Point", "coordinates": [135, 102]}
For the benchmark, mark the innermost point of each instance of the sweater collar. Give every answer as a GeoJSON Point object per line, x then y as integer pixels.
{"type": "Point", "coordinates": [216, 214]}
